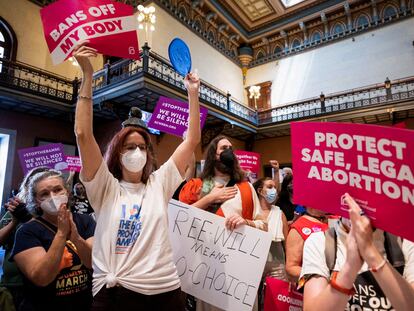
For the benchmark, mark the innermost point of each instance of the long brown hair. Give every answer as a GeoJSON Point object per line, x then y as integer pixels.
{"type": "Point", "coordinates": [114, 149]}
{"type": "Point", "coordinates": [238, 174]}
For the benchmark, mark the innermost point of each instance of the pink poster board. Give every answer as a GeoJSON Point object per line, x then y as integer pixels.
{"type": "Point", "coordinates": [102, 22]}
{"type": "Point", "coordinates": [74, 163]}
{"type": "Point", "coordinates": [374, 164]}
{"type": "Point", "coordinates": [249, 161]}
{"type": "Point", "coordinates": [281, 296]}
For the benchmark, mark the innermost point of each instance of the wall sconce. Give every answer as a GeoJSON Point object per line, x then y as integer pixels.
{"type": "Point", "coordinates": [73, 61]}
{"type": "Point", "coordinates": [146, 19]}
{"type": "Point", "coordinates": [387, 83]}
{"type": "Point", "coordinates": [254, 91]}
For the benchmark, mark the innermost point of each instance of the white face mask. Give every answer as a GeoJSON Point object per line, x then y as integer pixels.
{"type": "Point", "coordinates": [51, 205]}
{"type": "Point", "coordinates": [134, 160]}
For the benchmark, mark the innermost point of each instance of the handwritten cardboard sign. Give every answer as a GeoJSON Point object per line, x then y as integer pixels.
{"type": "Point", "coordinates": [216, 265]}
{"type": "Point", "coordinates": [50, 155]}
{"type": "Point", "coordinates": [171, 116]}
{"type": "Point", "coordinates": [249, 161]}
{"type": "Point", "coordinates": [374, 164]}
{"type": "Point", "coordinates": [282, 296]}
{"type": "Point", "coordinates": [102, 22]}
{"type": "Point", "coordinates": [74, 163]}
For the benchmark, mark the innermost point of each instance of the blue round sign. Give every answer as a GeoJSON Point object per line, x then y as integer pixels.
{"type": "Point", "coordinates": [180, 56]}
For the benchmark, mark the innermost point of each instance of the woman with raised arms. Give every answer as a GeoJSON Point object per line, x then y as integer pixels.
{"type": "Point", "coordinates": [132, 256]}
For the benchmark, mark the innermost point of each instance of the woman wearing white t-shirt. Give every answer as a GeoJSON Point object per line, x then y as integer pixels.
{"type": "Point", "coordinates": [132, 257]}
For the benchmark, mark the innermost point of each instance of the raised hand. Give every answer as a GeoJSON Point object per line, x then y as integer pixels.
{"type": "Point", "coordinates": [82, 52]}
{"type": "Point", "coordinates": [274, 164]}
{"type": "Point", "coordinates": [220, 194]}
{"type": "Point", "coordinates": [192, 84]}
{"type": "Point", "coordinates": [74, 234]}
{"type": "Point", "coordinates": [63, 223]}
{"type": "Point", "coordinates": [361, 226]}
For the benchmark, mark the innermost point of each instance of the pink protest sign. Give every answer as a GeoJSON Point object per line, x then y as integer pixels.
{"type": "Point", "coordinates": [74, 163]}
{"type": "Point", "coordinates": [249, 161]}
{"type": "Point", "coordinates": [281, 296]}
{"type": "Point", "coordinates": [171, 116]}
{"type": "Point", "coordinates": [102, 22]}
{"type": "Point", "coordinates": [374, 164]}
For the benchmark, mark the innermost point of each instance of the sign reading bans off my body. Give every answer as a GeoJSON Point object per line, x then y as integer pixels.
{"type": "Point", "coordinates": [211, 260]}
{"type": "Point", "coordinates": [102, 22]}
{"type": "Point", "coordinates": [372, 163]}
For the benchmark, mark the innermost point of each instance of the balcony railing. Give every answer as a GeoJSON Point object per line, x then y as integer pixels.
{"type": "Point", "coordinates": [28, 79]}
{"type": "Point", "coordinates": [372, 95]}
{"type": "Point", "coordinates": [33, 80]}
{"type": "Point", "coordinates": [157, 67]}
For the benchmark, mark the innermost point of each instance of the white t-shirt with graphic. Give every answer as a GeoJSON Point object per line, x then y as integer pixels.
{"type": "Point", "coordinates": [131, 246]}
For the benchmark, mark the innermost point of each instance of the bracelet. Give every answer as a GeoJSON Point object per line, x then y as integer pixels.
{"type": "Point", "coordinates": [382, 264]}
{"type": "Point", "coordinates": [336, 286]}
{"type": "Point", "coordinates": [84, 97]}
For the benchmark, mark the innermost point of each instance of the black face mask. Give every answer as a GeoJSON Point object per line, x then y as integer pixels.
{"type": "Point", "coordinates": [227, 157]}
{"type": "Point", "coordinates": [226, 162]}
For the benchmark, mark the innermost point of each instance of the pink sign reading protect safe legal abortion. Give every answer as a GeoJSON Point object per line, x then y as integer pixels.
{"type": "Point", "coordinates": [374, 164]}
{"type": "Point", "coordinates": [171, 116]}
{"type": "Point", "coordinates": [249, 161]}
{"type": "Point", "coordinates": [109, 26]}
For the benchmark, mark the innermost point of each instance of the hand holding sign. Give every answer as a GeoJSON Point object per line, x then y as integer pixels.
{"type": "Point", "coordinates": [362, 229]}
{"type": "Point", "coordinates": [192, 84]}
{"type": "Point", "coordinates": [82, 52]}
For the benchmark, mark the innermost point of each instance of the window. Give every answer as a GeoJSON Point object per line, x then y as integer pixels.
{"type": "Point", "coordinates": [362, 21]}
{"type": "Point", "coordinates": [8, 42]}
{"type": "Point", "coordinates": [278, 50]}
{"type": "Point", "coordinates": [338, 28]}
{"type": "Point", "coordinates": [316, 37]}
{"type": "Point", "coordinates": [296, 43]}
{"type": "Point", "coordinates": [7, 146]}
{"type": "Point", "coordinates": [260, 54]}
{"type": "Point", "coordinates": [211, 37]}
{"type": "Point", "coordinates": [389, 12]}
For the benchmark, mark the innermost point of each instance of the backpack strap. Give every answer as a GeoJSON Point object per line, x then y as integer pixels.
{"type": "Point", "coordinates": [68, 243]}
{"type": "Point", "coordinates": [393, 248]}
{"type": "Point", "coordinates": [330, 248]}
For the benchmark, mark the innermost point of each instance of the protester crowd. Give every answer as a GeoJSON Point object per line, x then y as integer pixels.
{"type": "Point", "coordinates": [105, 245]}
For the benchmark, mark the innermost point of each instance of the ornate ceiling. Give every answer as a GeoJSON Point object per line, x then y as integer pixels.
{"type": "Point", "coordinates": [253, 32]}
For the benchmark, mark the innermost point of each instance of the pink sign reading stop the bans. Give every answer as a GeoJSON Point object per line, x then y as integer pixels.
{"type": "Point", "coordinates": [374, 164]}
{"type": "Point", "coordinates": [109, 26]}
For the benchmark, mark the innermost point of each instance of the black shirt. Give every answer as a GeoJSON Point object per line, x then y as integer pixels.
{"type": "Point", "coordinates": [72, 288]}
{"type": "Point", "coordinates": [81, 206]}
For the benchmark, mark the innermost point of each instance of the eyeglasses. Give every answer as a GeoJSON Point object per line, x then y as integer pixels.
{"type": "Point", "coordinates": [142, 147]}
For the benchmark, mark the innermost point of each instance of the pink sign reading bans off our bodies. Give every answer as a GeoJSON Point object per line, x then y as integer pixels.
{"type": "Point", "coordinates": [374, 164]}
{"type": "Point", "coordinates": [249, 161]}
{"type": "Point", "coordinates": [171, 116]}
{"type": "Point", "coordinates": [102, 22]}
